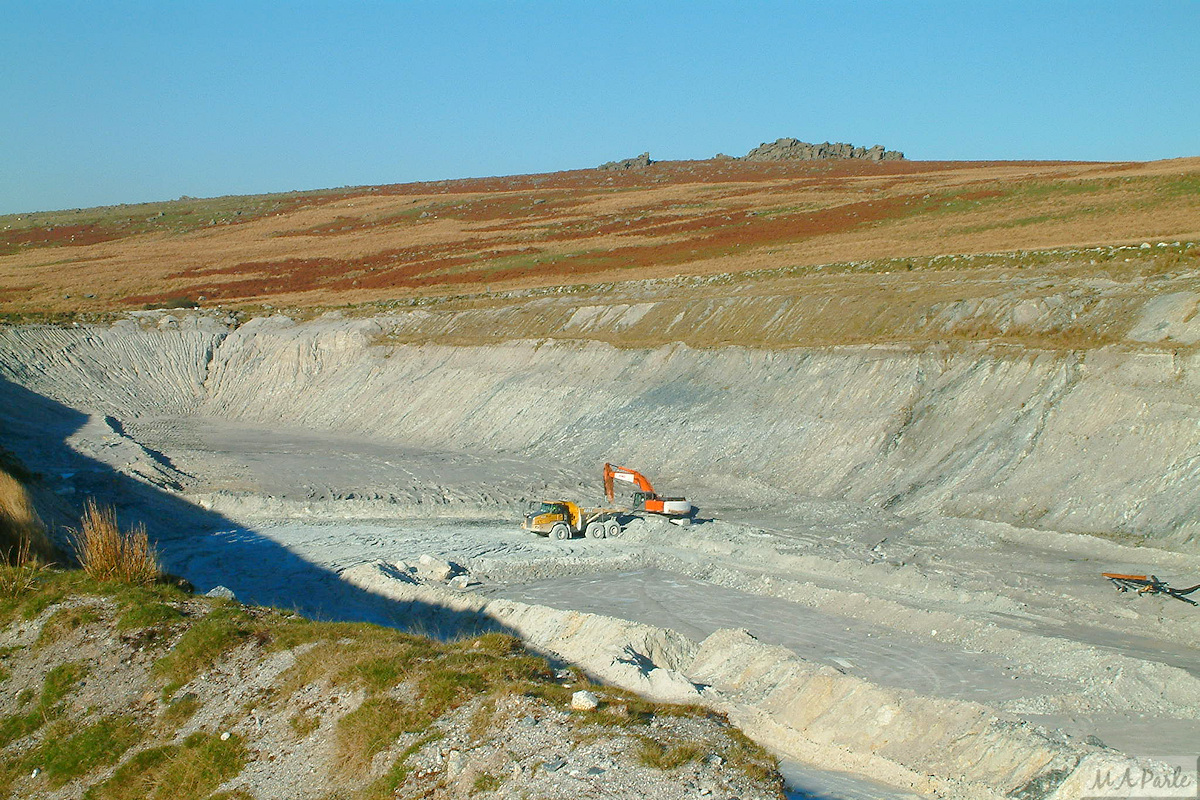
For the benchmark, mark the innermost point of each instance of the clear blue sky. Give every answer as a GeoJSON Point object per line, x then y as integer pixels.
{"type": "Point", "coordinates": [109, 102]}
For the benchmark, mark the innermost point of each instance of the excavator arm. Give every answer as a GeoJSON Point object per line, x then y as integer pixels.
{"type": "Point", "coordinates": [627, 475]}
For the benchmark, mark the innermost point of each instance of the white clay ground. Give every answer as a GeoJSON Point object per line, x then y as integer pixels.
{"type": "Point", "coordinates": [960, 609]}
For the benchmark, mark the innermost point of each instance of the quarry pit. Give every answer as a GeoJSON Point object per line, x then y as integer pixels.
{"type": "Point", "coordinates": [896, 567]}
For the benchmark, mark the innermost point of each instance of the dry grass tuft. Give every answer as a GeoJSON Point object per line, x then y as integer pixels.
{"type": "Point", "coordinates": [653, 753]}
{"type": "Point", "coordinates": [754, 762]}
{"type": "Point", "coordinates": [19, 571]}
{"type": "Point", "coordinates": [109, 554]}
{"type": "Point", "coordinates": [22, 535]}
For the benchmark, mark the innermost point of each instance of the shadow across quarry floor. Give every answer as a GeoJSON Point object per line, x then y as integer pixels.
{"type": "Point", "coordinates": [37, 429]}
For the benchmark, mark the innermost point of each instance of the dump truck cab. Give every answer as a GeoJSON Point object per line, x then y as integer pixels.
{"type": "Point", "coordinates": [558, 519]}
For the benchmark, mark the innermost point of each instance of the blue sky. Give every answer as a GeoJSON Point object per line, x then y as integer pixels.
{"type": "Point", "coordinates": [109, 102]}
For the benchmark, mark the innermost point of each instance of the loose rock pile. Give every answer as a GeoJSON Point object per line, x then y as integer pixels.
{"type": "Point", "coordinates": [429, 569]}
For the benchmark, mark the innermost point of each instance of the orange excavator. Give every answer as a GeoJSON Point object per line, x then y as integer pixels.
{"type": "Point", "coordinates": [644, 494]}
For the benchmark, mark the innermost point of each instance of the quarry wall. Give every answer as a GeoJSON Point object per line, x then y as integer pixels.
{"type": "Point", "coordinates": [1103, 441]}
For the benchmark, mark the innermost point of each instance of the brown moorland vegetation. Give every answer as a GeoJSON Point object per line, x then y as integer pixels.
{"type": "Point", "coordinates": [482, 236]}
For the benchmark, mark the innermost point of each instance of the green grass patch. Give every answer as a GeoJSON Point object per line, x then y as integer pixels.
{"type": "Point", "coordinates": [191, 770]}
{"type": "Point", "coordinates": [38, 590]}
{"type": "Point", "coordinates": [441, 689]}
{"type": "Point", "coordinates": [48, 587]}
{"type": "Point", "coordinates": [17, 726]}
{"type": "Point", "coordinates": [360, 656]}
{"type": "Point", "coordinates": [148, 615]}
{"type": "Point", "coordinates": [63, 756]}
{"type": "Point", "coordinates": [1179, 186]}
{"type": "Point", "coordinates": [1046, 189]}
{"type": "Point", "coordinates": [223, 629]}
{"type": "Point", "coordinates": [369, 729]}
{"type": "Point", "coordinates": [180, 711]}
{"type": "Point", "coordinates": [384, 787]}
{"type": "Point", "coordinates": [621, 708]}
{"type": "Point", "coordinates": [64, 621]}
{"type": "Point", "coordinates": [59, 682]}
{"type": "Point", "coordinates": [481, 720]}
{"type": "Point", "coordinates": [287, 632]}
{"type": "Point", "coordinates": [486, 782]}
{"type": "Point", "coordinates": [747, 757]}
{"type": "Point", "coordinates": [304, 724]}
{"type": "Point", "coordinates": [434, 678]}
{"type": "Point", "coordinates": [378, 674]}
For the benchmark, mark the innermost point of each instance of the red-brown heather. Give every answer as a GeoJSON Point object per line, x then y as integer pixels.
{"type": "Point", "coordinates": [356, 245]}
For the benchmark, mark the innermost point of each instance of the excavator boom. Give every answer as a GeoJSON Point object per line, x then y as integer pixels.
{"type": "Point", "coordinates": [627, 475]}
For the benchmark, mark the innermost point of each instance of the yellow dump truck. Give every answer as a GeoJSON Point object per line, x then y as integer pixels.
{"type": "Point", "coordinates": [562, 519]}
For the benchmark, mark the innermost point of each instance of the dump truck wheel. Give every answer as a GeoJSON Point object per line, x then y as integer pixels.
{"type": "Point", "coordinates": [560, 531]}
{"type": "Point", "coordinates": [597, 530]}
{"type": "Point", "coordinates": [612, 528]}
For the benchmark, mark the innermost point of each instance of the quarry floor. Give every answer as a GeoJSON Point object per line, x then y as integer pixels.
{"type": "Point", "coordinates": [1017, 619]}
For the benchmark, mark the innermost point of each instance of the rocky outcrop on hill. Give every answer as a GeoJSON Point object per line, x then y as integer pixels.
{"type": "Point", "coordinates": [796, 150]}
{"type": "Point", "coordinates": [637, 162]}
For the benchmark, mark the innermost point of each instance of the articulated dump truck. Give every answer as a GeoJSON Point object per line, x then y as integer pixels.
{"type": "Point", "coordinates": [562, 519]}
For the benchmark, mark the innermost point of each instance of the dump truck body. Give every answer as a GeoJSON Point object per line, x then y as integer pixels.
{"type": "Point", "coordinates": [563, 519]}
